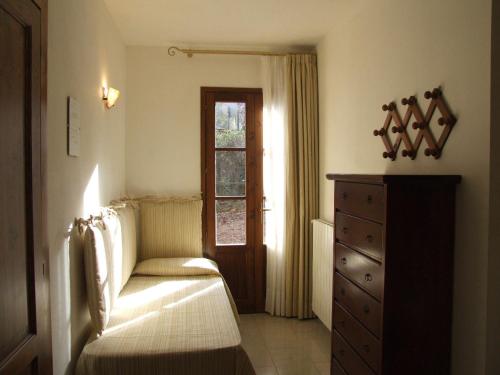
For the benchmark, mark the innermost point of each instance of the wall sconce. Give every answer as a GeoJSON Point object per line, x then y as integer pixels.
{"type": "Point", "coordinates": [110, 96]}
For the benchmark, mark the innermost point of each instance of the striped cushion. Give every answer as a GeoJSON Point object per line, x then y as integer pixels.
{"type": "Point", "coordinates": [126, 217]}
{"type": "Point", "coordinates": [171, 228]}
{"type": "Point", "coordinates": [177, 267]}
{"type": "Point", "coordinates": [102, 288]}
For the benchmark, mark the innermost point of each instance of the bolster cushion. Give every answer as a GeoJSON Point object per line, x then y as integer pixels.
{"type": "Point", "coordinates": [99, 275]}
{"type": "Point", "coordinates": [171, 228]}
{"type": "Point", "coordinates": [126, 219]}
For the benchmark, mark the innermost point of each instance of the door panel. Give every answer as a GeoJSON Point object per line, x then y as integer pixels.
{"type": "Point", "coordinates": [24, 333]}
{"type": "Point", "coordinates": [13, 272]}
{"type": "Point", "coordinates": [232, 190]}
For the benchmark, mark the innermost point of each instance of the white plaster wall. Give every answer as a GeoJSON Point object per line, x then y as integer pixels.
{"type": "Point", "coordinates": [390, 49]}
{"type": "Point", "coordinates": [163, 114]}
{"type": "Point", "coordinates": [85, 52]}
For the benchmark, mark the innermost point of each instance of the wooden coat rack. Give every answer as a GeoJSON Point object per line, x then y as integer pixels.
{"type": "Point", "coordinates": [422, 123]}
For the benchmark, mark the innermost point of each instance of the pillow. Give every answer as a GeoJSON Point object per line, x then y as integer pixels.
{"type": "Point", "coordinates": [110, 254]}
{"type": "Point", "coordinates": [177, 267]}
{"type": "Point", "coordinates": [171, 228]}
{"type": "Point", "coordinates": [126, 218]}
{"type": "Point", "coordinates": [97, 277]}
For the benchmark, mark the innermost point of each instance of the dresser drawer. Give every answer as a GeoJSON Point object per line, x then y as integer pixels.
{"type": "Point", "coordinates": [360, 269]}
{"type": "Point", "coordinates": [365, 236]}
{"type": "Point", "coordinates": [347, 358]}
{"type": "Point", "coordinates": [363, 342]}
{"type": "Point", "coordinates": [336, 369]}
{"type": "Point", "coordinates": [363, 200]}
{"type": "Point", "coordinates": [359, 303]}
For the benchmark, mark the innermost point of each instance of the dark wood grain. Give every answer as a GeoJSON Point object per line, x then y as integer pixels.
{"type": "Point", "coordinates": [359, 303]}
{"type": "Point", "coordinates": [416, 280]}
{"type": "Point", "coordinates": [336, 369]}
{"type": "Point", "coordinates": [419, 278]}
{"type": "Point", "coordinates": [25, 345]}
{"type": "Point", "coordinates": [364, 343]}
{"type": "Point", "coordinates": [243, 266]}
{"type": "Point", "coordinates": [381, 179]}
{"type": "Point", "coordinates": [363, 200]}
{"type": "Point", "coordinates": [348, 358]}
{"type": "Point", "coordinates": [361, 270]}
{"type": "Point", "coordinates": [363, 235]}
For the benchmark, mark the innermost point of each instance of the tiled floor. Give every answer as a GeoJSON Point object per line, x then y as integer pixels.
{"type": "Point", "coordinates": [280, 346]}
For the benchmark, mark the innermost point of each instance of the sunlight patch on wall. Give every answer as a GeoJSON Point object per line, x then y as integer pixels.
{"type": "Point", "coordinates": [91, 196]}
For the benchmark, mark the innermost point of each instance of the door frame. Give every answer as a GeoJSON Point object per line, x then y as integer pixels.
{"type": "Point", "coordinates": [259, 251]}
{"type": "Point", "coordinates": [43, 347]}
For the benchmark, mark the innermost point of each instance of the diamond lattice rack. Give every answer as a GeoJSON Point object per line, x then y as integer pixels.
{"type": "Point", "coordinates": [421, 124]}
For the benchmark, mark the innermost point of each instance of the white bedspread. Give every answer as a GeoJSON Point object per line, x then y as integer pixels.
{"type": "Point", "coordinates": [180, 324]}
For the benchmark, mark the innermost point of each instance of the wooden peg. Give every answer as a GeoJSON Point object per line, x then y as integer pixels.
{"type": "Point", "coordinates": [408, 101]}
{"type": "Point", "coordinates": [390, 155]}
{"type": "Point", "coordinates": [380, 132]}
{"type": "Point", "coordinates": [407, 153]}
{"type": "Point", "coordinates": [417, 125]}
{"type": "Point", "coordinates": [432, 152]}
{"type": "Point", "coordinates": [397, 129]}
{"type": "Point", "coordinates": [451, 120]}
{"type": "Point", "coordinates": [442, 121]}
{"type": "Point", "coordinates": [388, 107]}
{"type": "Point", "coordinates": [436, 93]}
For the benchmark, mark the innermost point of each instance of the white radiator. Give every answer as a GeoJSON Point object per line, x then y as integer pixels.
{"type": "Point", "coordinates": [322, 273]}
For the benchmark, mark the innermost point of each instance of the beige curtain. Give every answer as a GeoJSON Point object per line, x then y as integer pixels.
{"type": "Point", "coordinates": [302, 188]}
{"type": "Point", "coordinates": [291, 104]}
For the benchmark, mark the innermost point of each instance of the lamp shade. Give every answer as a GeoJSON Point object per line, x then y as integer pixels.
{"type": "Point", "coordinates": [110, 96]}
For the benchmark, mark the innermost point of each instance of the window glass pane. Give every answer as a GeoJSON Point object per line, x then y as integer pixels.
{"type": "Point", "coordinates": [230, 173]}
{"type": "Point", "coordinates": [231, 222]}
{"type": "Point", "coordinates": [230, 124]}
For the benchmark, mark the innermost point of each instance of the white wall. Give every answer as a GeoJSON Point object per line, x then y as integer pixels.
{"type": "Point", "coordinates": [85, 52]}
{"type": "Point", "coordinates": [390, 49]}
{"type": "Point", "coordinates": [163, 114]}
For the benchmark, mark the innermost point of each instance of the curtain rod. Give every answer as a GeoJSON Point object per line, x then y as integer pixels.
{"type": "Point", "coordinates": [190, 52]}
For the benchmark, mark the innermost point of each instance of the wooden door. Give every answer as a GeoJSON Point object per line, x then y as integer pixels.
{"type": "Point", "coordinates": [232, 190]}
{"type": "Point", "coordinates": [24, 299]}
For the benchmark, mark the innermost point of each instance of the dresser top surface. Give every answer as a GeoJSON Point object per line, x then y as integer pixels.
{"type": "Point", "coordinates": [394, 178]}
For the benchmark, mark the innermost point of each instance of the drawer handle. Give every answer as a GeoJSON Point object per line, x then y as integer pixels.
{"type": "Point", "coordinates": [344, 195]}
{"type": "Point", "coordinates": [366, 348]}
{"type": "Point", "coordinates": [343, 260]}
{"type": "Point", "coordinates": [342, 291]}
{"type": "Point", "coordinates": [369, 238]}
{"type": "Point", "coordinates": [368, 277]}
{"type": "Point", "coordinates": [369, 199]}
{"type": "Point", "coordinates": [366, 309]}
{"type": "Point", "coordinates": [345, 230]}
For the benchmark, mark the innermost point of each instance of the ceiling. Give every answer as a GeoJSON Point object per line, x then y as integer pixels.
{"type": "Point", "coordinates": [272, 23]}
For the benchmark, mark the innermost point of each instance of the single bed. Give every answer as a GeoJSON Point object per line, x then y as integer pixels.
{"type": "Point", "coordinates": [157, 307]}
{"type": "Point", "coordinates": [174, 316]}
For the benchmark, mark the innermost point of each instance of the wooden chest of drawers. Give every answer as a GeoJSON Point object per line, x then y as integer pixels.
{"type": "Point", "coordinates": [393, 277]}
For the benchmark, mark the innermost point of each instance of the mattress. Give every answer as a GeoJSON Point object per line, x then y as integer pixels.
{"type": "Point", "coordinates": [172, 317]}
